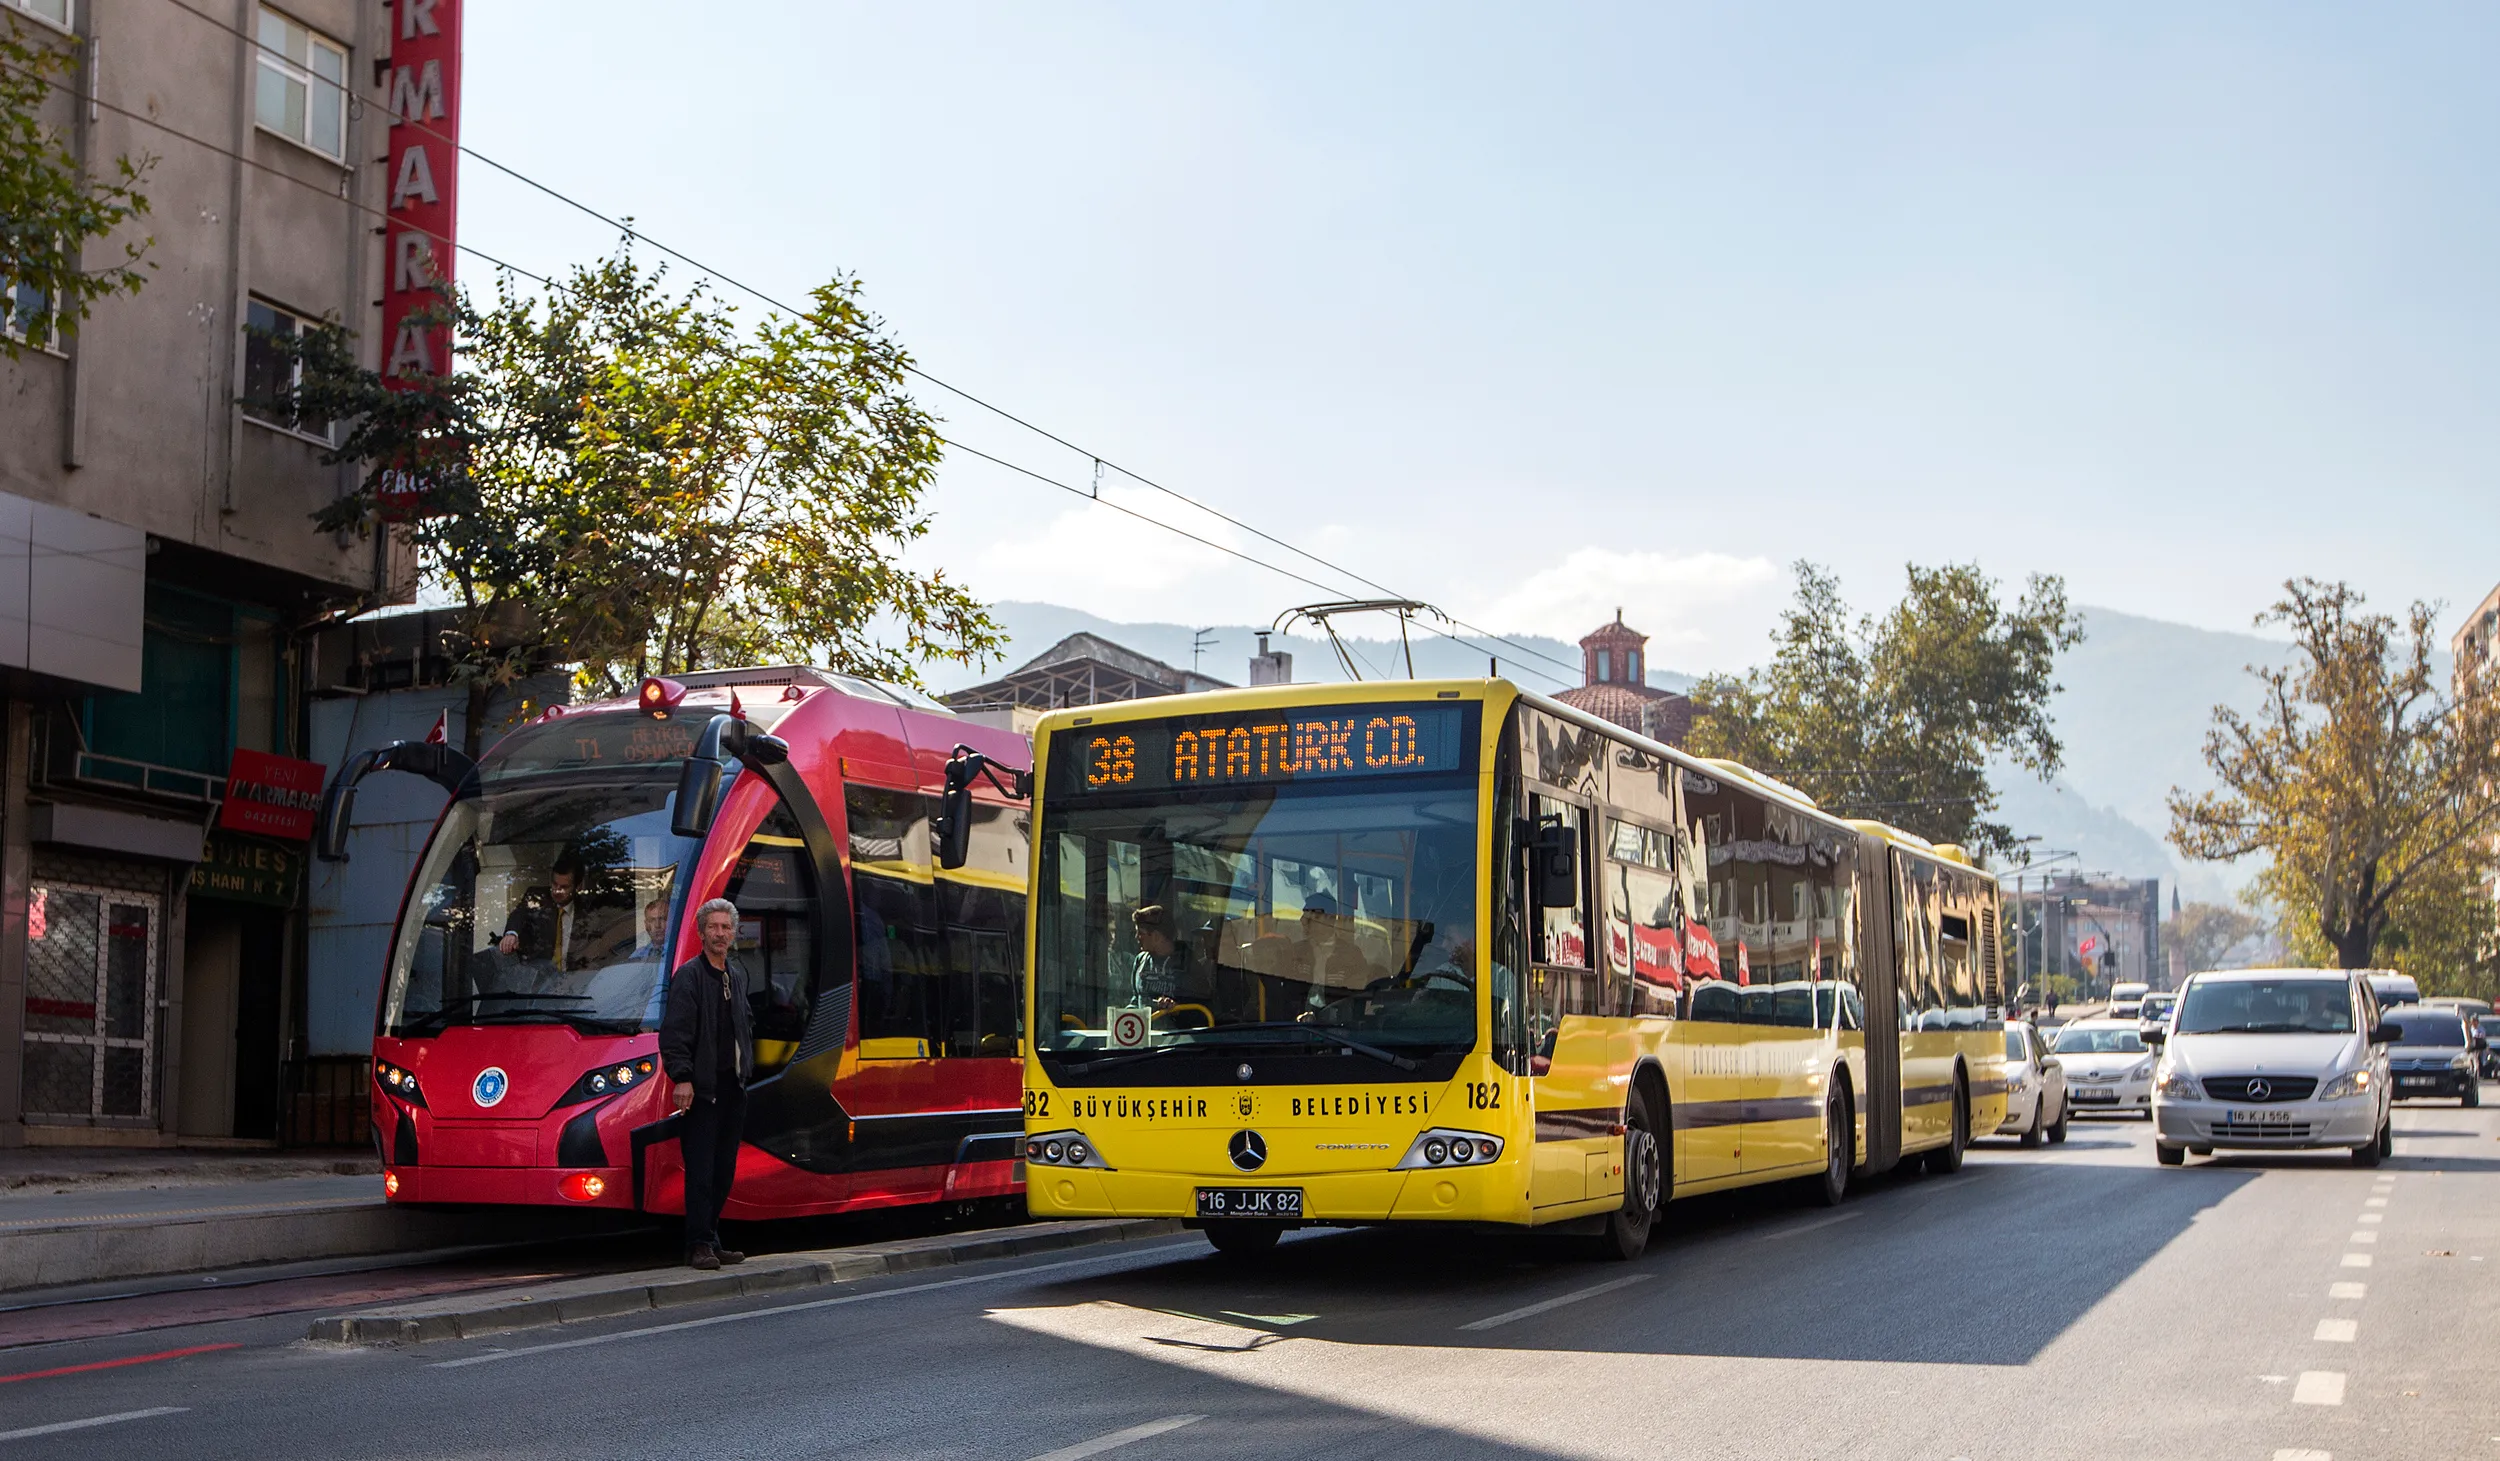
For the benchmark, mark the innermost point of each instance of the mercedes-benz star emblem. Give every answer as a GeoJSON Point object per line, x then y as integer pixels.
{"type": "Point", "coordinates": [1244, 1071]}
{"type": "Point", "coordinates": [1248, 1151]}
{"type": "Point", "coordinates": [2260, 1090]}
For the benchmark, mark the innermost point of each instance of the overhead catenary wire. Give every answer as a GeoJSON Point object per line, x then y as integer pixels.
{"type": "Point", "coordinates": [626, 228]}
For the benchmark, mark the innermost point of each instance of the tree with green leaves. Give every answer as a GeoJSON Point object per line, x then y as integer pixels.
{"type": "Point", "coordinates": [638, 482]}
{"type": "Point", "coordinates": [2206, 933]}
{"type": "Point", "coordinates": [50, 209]}
{"type": "Point", "coordinates": [2369, 790]}
{"type": "Point", "coordinates": [1897, 718]}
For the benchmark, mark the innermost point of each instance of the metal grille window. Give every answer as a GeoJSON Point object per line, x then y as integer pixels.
{"type": "Point", "coordinates": [302, 93]}
{"type": "Point", "coordinates": [91, 970]}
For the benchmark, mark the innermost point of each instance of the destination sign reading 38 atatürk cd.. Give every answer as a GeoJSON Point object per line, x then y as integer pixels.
{"type": "Point", "coordinates": [1305, 743]}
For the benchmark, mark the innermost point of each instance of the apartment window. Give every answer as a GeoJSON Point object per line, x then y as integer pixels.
{"type": "Point", "coordinates": [56, 11]}
{"type": "Point", "coordinates": [303, 76]}
{"type": "Point", "coordinates": [271, 372]}
{"type": "Point", "coordinates": [21, 311]}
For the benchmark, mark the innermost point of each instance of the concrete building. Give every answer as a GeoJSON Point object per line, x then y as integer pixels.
{"type": "Point", "coordinates": [2470, 651]}
{"type": "Point", "coordinates": [1082, 669]}
{"type": "Point", "coordinates": [160, 576]}
{"type": "Point", "coordinates": [1614, 660]}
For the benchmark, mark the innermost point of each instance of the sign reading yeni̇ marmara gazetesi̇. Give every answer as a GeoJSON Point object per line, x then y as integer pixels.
{"type": "Point", "coordinates": [271, 796]}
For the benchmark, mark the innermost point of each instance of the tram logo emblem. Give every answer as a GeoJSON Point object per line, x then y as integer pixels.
{"type": "Point", "coordinates": [491, 1085]}
{"type": "Point", "coordinates": [2261, 1090]}
{"type": "Point", "coordinates": [1249, 1150]}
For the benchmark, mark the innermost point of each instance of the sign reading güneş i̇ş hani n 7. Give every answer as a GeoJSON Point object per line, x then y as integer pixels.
{"type": "Point", "coordinates": [1264, 747]}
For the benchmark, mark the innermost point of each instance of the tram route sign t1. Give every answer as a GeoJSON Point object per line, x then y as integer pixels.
{"type": "Point", "coordinates": [1265, 747]}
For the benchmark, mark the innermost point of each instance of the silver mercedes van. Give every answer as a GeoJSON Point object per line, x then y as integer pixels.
{"type": "Point", "coordinates": [2273, 1059]}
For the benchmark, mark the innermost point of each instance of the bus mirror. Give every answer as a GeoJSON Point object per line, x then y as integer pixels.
{"type": "Point", "coordinates": [1554, 867]}
{"type": "Point", "coordinates": [954, 824]}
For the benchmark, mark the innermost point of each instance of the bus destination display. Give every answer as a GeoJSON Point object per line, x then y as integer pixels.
{"type": "Point", "coordinates": [1263, 748]}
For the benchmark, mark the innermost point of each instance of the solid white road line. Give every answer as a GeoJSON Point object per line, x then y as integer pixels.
{"type": "Point", "coordinates": [2319, 1387]}
{"type": "Point", "coordinates": [59, 1426]}
{"type": "Point", "coordinates": [918, 1288]}
{"type": "Point", "coordinates": [2337, 1331]}
{"type": "Point", "coordinates": [2356, 1260]}
{"type": "Point", "coordinates": [1117, 1439]}
{"type": "Point", "coordinates": [2348, 1291]}
{"type": "Point", "coordinates": [1808, 1227]}
{"type": "Point", "coordinates": [2293, 1453]}
{"type": "Point", "coordinates": [1530, 1311]}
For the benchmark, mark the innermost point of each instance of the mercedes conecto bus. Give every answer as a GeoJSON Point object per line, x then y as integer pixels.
{"type": "Point", "coordinates": [1456, 952]}
{"type": "Point", "coordinates": [515, 1057]}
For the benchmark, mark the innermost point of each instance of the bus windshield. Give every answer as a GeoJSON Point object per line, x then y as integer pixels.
{"type": "Point", "coordinates": [1258, 915]}
{"type": "Point", "coordinates": [543, 900]}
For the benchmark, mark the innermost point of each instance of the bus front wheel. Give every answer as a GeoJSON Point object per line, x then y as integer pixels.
{"type": "Point", "coordinates": [1235, 1238]}
{"type": "Point", "coordinates": [1644, 1186]}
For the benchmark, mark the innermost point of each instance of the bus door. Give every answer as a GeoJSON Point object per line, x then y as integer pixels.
{"type": "Point", "coordinates": [1577, 1103]}
{"type": "Point", "coordinates": [1927, 1042]}
{"type": "Point", "coordinates": [1711, 1036]}
{"type": "Point", "coordinates": [1784, 1080]}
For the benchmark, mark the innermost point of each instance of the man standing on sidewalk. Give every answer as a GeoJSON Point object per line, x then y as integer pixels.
{"type": "Point", "coordinates": [705, 1038]}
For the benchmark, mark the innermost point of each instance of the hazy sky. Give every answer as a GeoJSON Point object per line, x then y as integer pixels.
{"type": "Point", "coordinates": [1532, 311]}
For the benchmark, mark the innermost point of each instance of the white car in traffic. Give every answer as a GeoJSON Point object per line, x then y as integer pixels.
{"type": "Point", "coordinates": [2035, 1086]}
{"type": "Point", "coordinates": [2274, 1059]}
{"type": "Point", "coordinates": [2109, 1068]}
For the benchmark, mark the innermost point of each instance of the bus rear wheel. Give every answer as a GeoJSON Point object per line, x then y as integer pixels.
{"type": "Point", "coordinates": [1644, 1186]}
{"type": "Point", "coordinates": [1840, 1148]}
{"type": "Point", "coordinates": [1947, 1159]}
{"type": "Point", "coordinates": [1235, 1238]}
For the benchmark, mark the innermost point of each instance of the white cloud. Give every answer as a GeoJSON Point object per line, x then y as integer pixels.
{"type": "Point", "coordinates": [1701, 610]}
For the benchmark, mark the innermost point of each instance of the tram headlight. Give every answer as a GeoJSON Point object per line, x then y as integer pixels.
{"type": "Point", "coordinates": [598, 1083]}
{"type": "Point", "coordinates": [608, 1079]}
{"type": "Point", "coordinates": [398, 1082]}
{"type": "Point", "coordinates": [1441, 1147]}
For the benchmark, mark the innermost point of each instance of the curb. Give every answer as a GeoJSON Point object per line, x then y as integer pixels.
{"type": "Point", "coordinates": [541, 1306]}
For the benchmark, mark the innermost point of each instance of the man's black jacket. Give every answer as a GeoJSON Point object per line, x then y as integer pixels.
{"type": "Point", "coordinates": [691, 1027]}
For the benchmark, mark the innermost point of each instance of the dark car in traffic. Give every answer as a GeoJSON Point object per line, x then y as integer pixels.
{"type": "Point", "coordinates": [2439, 1054]}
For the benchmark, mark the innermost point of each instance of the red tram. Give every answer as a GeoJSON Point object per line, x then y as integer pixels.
{"type": "Point", "coordinates": [515, 1053]}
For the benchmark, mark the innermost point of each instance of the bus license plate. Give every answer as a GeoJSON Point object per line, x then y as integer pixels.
{"type": "Point", "coordinates": [2258, 1118]}
{"type": "Point", "coordinates": [1249, 1202]}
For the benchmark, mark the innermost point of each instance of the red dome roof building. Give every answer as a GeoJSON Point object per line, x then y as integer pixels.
{"type": "Point", "coordinates": [1613, 659]}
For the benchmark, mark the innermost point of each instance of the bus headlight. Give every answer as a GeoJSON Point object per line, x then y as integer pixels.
{"type": "Point", "coordinates": [1063, 1149]}
{"type": "Point", "coordinates": [1441, 1147]}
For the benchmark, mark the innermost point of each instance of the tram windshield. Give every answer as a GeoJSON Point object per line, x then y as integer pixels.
{"type": "Point", "coordinates": [1238, 915]}
{"type": "Point", "coordinates": [549, 892]}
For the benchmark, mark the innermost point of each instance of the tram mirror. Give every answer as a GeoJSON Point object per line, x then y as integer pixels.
{"type": "Point", "coordinates": [1554, 867]}
{"type": "Point", "coordinates": [698, 797]}
{"type": "Point", "coordinates": [337, 811]}
{"type": "Point", "coordinates": [953, 826]}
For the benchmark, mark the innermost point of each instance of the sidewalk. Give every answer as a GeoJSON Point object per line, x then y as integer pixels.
{"type": "Point", "coordinates": [72, 1216]}
{"type": "Point", "coordinates": [603, 1296]}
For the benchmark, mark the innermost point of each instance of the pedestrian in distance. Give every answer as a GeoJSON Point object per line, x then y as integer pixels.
{"type": "Point", "coordinates": [706, 1044]}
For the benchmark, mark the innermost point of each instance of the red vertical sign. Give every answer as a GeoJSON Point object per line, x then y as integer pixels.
{"type": "Point", "coordinates": [423, 107]}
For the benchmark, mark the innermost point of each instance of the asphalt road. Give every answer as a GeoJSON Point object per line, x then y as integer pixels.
{"type": "Point", "coordinates": [2071, 1302]}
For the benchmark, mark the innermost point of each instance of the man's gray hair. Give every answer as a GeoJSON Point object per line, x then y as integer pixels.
{"type": "Point", "coordinates": [716, 905]}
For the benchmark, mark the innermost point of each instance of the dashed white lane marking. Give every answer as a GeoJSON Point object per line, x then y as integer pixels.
{"type": "Point", "coordinates": [1794, 1229]}
{"type": "Point", "coordinates": [2366, 1235]}
{"type": "Point", "coordinates": [2347, 1290]}
{"type": "Point", "coordinates": [2374, 1217]}
{"type": "Point", "coordinates": [2319, 1387]}
{"type": "Point", "coordinates": [90, 1422]}
{"type": "Point", "coordinates": [2337, 1331]}
{"type": "Point", "coordinates": [1528, 1311]}
{"type": "Point", "coordinates": [2356, 1260]}
{"type": "Point", "coordinates": [2374, 1202]}
{"type": "Point", "coordinates": [1117, 1439]}
{"type": "Point", "coordinates": [2291, 1453]}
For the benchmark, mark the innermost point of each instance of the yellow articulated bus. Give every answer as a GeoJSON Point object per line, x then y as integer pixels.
{"type": "Point", "coordinates": [1454, 952]}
